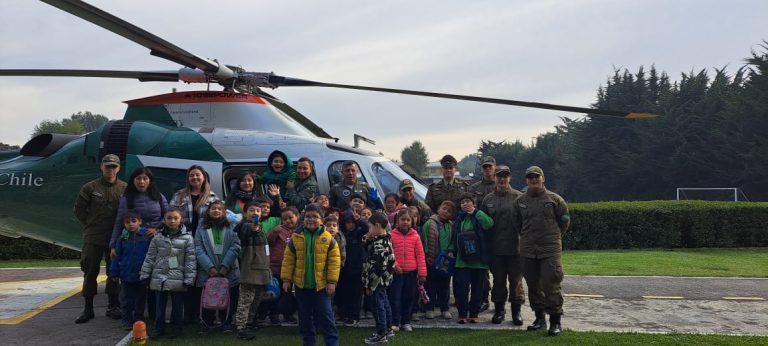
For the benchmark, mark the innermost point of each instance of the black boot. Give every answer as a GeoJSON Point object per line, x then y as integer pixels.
{"type": "Point", "coordinates": [499, 314]}
{"type": "Point", "coordinates": [87, 314]}
{"type": "Point", "coordinates": [540, 322]}
{"type": "Point", "coordinates": [517, 318]}
{"type": "Point", "coordinates": [554, 325]}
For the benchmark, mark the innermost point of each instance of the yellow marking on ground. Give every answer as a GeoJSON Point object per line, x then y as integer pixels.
{"type": "Point", "coordinates": [663, 297]}
{"type": "Point", "coordinates": [8, 288]}
{"type": "Point", "coordinates": [573, 295]}
{"type": "Point", "coordinates": [43, 280]}
{"type": "Point", "coordinates": [42, 307]}
{"type": "Point", "coordinates": [743, 298]}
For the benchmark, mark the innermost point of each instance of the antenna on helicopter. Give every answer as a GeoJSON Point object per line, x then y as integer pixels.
{"type": "Point", "coordinates": [359, 137]}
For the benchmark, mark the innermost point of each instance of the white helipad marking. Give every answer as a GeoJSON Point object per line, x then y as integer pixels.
{"type": "Point", "coordinates": [20, 300]}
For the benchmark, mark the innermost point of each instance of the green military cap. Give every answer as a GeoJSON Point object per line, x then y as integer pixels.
{"type": "Point", "coordinates": [502, 170]}
{"type": "Point", "coordinates": [488, 160]}
{"type": "Point", "coordinates": [406, 183]}
{"type": "Point", "coordinates": [448, 161]}
{"type": "Point", "coordinates": [110, 160]}
{"type": "Point", "coordinates": [534, 170]}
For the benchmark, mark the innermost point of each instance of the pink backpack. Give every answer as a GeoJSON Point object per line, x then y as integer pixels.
{"type": "Point", "coordinates": [215, 294]}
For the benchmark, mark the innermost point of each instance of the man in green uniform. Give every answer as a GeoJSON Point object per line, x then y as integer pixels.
{"type": "Point", "coordinates": [542, 217]}
{"type": "Point", "coordinates": [96, 209]}
{"type": "Point", "coordinates": [408, 197]}
{"type": "Point", "coordinates": [342, 192]}
{"type": "Point", "coordinates": [506, 267]}
{"type": "Point", "coordinates": [481, 189]}
{"type": "Point", "coordinates": [449, 188]}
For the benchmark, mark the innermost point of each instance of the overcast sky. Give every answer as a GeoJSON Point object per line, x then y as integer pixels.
{"type": "Point", "coordinates": [545, 51]}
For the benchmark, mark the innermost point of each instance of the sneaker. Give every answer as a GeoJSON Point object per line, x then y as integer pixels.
{"type": "Point", "coordinates": [375, 339]}
{"type": "Point", "coordinates": [227, 328]}
{"type": "Point", "coordinates": [114, 313]}
{"type": "Point", "coordinates": [274, 320]}
{"type": "Point", "coordinates": [430, 315]}
{"type": "Point", "coordinates": [350, 322]}
{"type": "Point", "coordinates": [394, 328]}
{"type": "Point", "coordinates": [408, 327]}
{"type": "Point", "coordinates": [473, 320]}
{"type": "Point", "coordinates": [446, 315]}
{"type": "Point", "coordinates": [204, 330]}
{"type": "Point", "coordinates": [390, 332]}
{"type": "Point", "coordinates": [290, 320]}
{"type": "Point", "coordinates": [485, 306]}
{"type": "Point", "coordinates": [246, 334]}
{"type": "Point", "coordinates": [415, 317]}
{"type": "Point", "coordinates": [462, 321]}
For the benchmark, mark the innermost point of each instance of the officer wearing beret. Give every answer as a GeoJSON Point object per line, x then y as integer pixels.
{"type": "Point", "coordinates": [542, 217]}
{"type": "Point", "coordinates": [449, 188]}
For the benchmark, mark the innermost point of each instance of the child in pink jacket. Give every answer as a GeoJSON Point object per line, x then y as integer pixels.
{"type": "Point", "coordinates": [409, 267]}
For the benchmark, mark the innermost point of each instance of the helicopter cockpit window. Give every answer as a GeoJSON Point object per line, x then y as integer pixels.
{"type": "Point", "coordinates": [334, 173]}
{"type": "Point", "coordinates": [169, 180]}
{"type": "Point", "coordinates": [389, 182]}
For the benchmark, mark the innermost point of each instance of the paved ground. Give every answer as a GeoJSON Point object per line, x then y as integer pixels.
{"type": "Point", "coordinates": [640, 304]}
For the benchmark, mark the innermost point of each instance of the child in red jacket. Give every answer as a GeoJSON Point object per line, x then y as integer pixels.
{"type": "Point", "coordinates": [409, 267]}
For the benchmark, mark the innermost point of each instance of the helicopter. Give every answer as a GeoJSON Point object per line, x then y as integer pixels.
{"type": "Point", "coordinates": [227, 131]}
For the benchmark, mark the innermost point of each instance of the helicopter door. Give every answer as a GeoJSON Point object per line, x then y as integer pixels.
{"type": "Point", "coordinates": [171, 174]}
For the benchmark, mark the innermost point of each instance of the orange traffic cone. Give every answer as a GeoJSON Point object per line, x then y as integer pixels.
{"type": "Point", "coordinates": [139, 334]}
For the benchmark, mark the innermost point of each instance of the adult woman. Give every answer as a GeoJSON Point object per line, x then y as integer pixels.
{"type": "Point", "coordinates": [193, 201]}
{"type": "Point", "coordinates": [242, 194]}
{"type": "Point", "coordinates": [143, 197]}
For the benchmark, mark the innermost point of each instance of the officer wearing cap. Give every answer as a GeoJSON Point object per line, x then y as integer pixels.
{"type": "Point", "coordinates": [96, 208]}
{"type": "Point", "coordinates": [408, 198]}
{"type": "Point", "coordinates": [542, 218]}
{"type": "Point", "coordinates": [449, 188]}
{"type": "Point", "coordinates": [506, 266]}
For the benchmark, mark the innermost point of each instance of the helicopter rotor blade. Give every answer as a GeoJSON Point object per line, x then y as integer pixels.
{"type": "Point", "coordinates": [142, 76]}
{"type": "Point", "coordinates": [277, 81]}
{"type": "Point", "coordinates": [157, 46]}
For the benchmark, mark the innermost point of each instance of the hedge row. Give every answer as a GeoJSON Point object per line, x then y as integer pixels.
{"type": "Point", "coordinates": [667, 224]}
{"type": "Point", "coordinates": [25, 248]}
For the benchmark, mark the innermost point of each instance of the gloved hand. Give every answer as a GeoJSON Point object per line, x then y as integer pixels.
{"type": "Point", "coordinates": [373, 194]}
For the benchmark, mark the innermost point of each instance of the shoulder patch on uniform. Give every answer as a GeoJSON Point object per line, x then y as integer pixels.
{"type": "Point", "coordinates": [549, 204]}
{"type": "Point", "coordinates": [346, 193]}
{"type": "Point", "coordinates": [522, 205]}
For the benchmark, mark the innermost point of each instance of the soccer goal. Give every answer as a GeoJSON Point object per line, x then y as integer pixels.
{"type": "Point", "coordinates": [711, 194]}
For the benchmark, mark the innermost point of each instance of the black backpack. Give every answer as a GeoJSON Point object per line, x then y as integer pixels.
{"type": "Point", "coordinates": [472, 246]}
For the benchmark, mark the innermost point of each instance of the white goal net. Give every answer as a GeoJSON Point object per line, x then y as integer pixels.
{"type": "Point", "coordinates": [711, 194]}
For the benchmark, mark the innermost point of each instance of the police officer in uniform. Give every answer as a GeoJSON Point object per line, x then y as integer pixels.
{"type": "Point", "coordinates": [449, 188]}
{"type": "Point", "coordinates": [542, 218]}
{"type": "Point", "coordinates": [96, 208]}
{"type": "Point", "coordinates": [342, 192]}
{"type": "Point", "coordinates": [506, 267]}
{"type": "Point", "coordinates": [481, 189]}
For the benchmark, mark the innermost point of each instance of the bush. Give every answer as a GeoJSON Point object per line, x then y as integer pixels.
{"type": "Point", "coordinates": [26, 248]}
{"type": "Point", "coordinates": [667, 224]}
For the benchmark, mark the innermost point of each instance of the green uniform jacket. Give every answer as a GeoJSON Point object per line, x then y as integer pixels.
{"type": "Point", "coordinates": [499, 205]}
{"type": "Point", "coordinates": [96, 209]}
{"type": "Point", "coordinates": [486, 223]}
{"type": "Point", "coordinates": [542, 218]}
{"type": "Point", "coordinates": [340, 194]}
{"type": "Point", "coordinates": [441, 191]}
{"type": "Point", "coordinates": [481, 189]}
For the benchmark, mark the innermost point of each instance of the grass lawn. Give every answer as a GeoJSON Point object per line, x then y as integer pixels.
{"type": "Point", "coordinates": [743, 262]}
{"type": "Point", "coordinates": [39, 263]}
{"type": "Point", "coordinates": [466, 337]}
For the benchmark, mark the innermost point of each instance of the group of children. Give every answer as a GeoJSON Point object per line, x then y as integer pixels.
{"type": "Point", "coordinates": [318, 257]}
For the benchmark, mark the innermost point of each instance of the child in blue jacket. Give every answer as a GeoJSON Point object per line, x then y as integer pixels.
{"type": "Point", "coordinates": [130, 249]}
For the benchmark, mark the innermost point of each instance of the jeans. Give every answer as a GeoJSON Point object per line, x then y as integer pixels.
{"type": "Point", "coordinates": [438, 288]}
{"type": "Point", "coordinates": [465, 279]}
{"type": "Point", "coordinates": [133, 298]}
{"type": "Point", "coordinates": [315, 306]}
{"type": "Point", "coordinates": [383, 312]}
{"type": "Point", "coordinates": [177, 307]}
{"type": "Point", "coordinates": [402, 291]}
